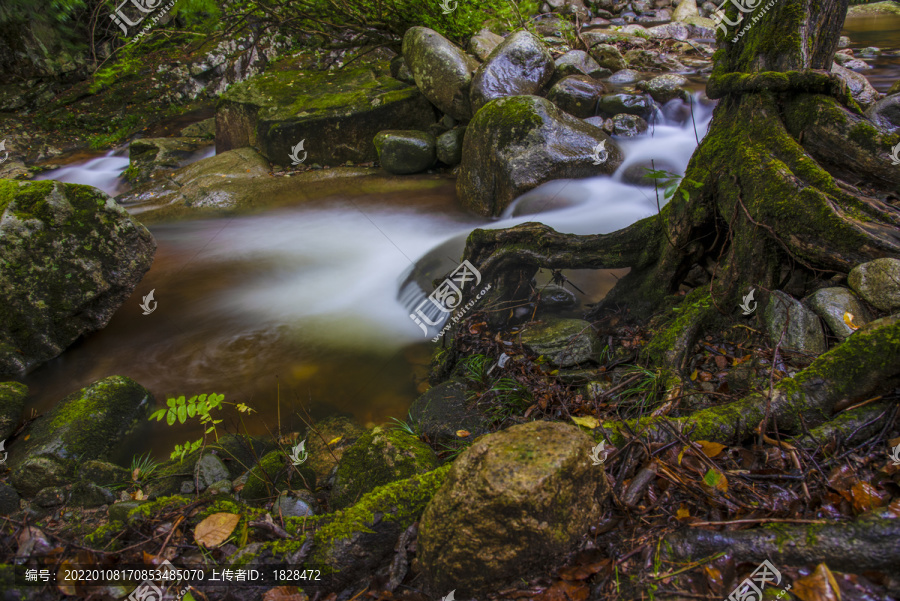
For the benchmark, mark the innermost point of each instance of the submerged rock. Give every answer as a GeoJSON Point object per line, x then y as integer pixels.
{"type": "Point", "coordinates": [334, 114]}
{"type": "Point", "coordinates": [831, 304]}
{"type": "Point", "coordinates": [515, 144]}
{"type": "Point", "coordinates": [878, 282]}
{"type": "Point", "coordinates": [379, 457]}
{"type": "Point", "coordinates": [802, 331]}
{"type": "Point", "coordinates": [520, 66]}
{"type": "Point", "coordinates": [577, 95]}
{"type": "Point", "coordinates": [71, 256]}
{"type": "Point", "coordinates": [405, 151]}
{"type": "Point", "coordinates": [444, 409]}
{"type": "Point", "coordinates": [515, 501]}
{"type": "Point", "coordinates": [443, 72]}
{"type": "Point", "coordinates": [564, 342]}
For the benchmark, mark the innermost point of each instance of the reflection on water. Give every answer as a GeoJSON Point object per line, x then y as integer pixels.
{"type": "Point", "coordinates": [881, 31]}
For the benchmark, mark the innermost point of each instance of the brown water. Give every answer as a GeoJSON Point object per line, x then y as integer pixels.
{"type": "Point", "coordinates": [881, 31]}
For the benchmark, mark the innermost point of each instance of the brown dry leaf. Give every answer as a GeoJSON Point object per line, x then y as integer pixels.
{"type": "Point", "coordinates": [66, 587]}
{"type": "Point", "coordinates": [818, 586]}
{"type": "Point", "coordinates": [587, 421]}
{"type": "Point", "coordinates": [285, 593]}
{"type": "Point", "coordinates": [714, 576]}
{"type": "Point", "coordinates": [866, 497]}
{"type": "Point", "coordinates": [213, 530]}
{"type": "Point", "coordinates": [848, 319]}
{"type": "Point", "coordinates": [710, 449]}
{"type": "Point", "coordinates": [582, 572]}
{"type": "Point", "coordinates": [135, 473]}
{"type": "Point", "coordinates": [894, 508]}
{"type": "Point", "coordinates": [841, 478]}
{"type": "Point", "coordinates": [894, 442]}
{"type": "Point", "coordinates": [705, 376]}
{"type": "Point", "coordinates": [563, 590]}
{"type": "Point", "coordinates": [721, 362]}
{"type": "Point", "coordinates": [463, 433]}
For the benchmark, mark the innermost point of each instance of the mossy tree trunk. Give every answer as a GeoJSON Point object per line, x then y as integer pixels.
{"type": "Point", "coordinates": [794, 181]}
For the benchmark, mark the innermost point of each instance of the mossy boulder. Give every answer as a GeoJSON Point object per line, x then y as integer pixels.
{"type": "Point", "coordinates": [650, 60]}
{"type": "Point", "coordinates": [875, 8]}
{"type": "Point", "coordinates": [379, 457]}
{"type": "Point", "coordinates": [608, 56]}
{"type": "Point", "coordinates": [793, 324]}
{"type": "Point", "coordinates": [515, 144]}
{"type": "Point", "coordinates": [444, 409]}
{"type": "Point", "coordinates": [337, 114]}
{"type": "Point", "coordinates": [577, 95]}
{"type": "Point", "coordinates": [448, 146]}
{"type": "Point", "coordinates": [405, 151]}
{"type": "Point", "coordinates": [664, 88]}
{"type": "Point", "coordinates": [628, 126]}
{"type": "Point", "coordinates": [483, 43]}
{"type": "Point", "coordinates": [831, 304]}
{"type": "Point", "coordinates": [327, 443]}
{"type": "Point", "coordinates": [205, 129]}
{"type": "Point", "coordinates": [878, 282]}
{"type": "Point", "coordinates": [12, 402]}
{"type": "Point", "coordinates": [275, 474]}
{"type": "Point", "coordinates": [103, 473]}
{"type": "Point", "coordinates": [520, 66]}
{"type": "Point", "coordinates": [118, 512]}
{"type": "Point", "coordinates": [564, 342]}
{"type": "Point", "coordinates": [69, 257]}
{"type": "Point", "coordinates": [630, 104]}
{"type": "Point", "coordinates": [85, 494]}
{"type": "Point", "coordinates": [148, 156]}
{"type": "Point", "coordinates": [443, 72]}
{"type": "Point", "coordinates": [514, 502]}
{"type": "Point", "coordinates": [578, 62]}
{"type": "Point", "coordinates": [85, 425]}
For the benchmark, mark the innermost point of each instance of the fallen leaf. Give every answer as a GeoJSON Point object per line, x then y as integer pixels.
{"type": "Point", "coordinates": [866, 497]}
{"type": "Point", "coordinates": [582, 572]}
{"type": "Point", "coordinates": [818, 586]}
{"type": "Point", "coordinates": [285, 593]}
{"type": "Point", "coordinates": [338, 439]}
{"type": "Point", "coordinates": [848, 319]}
{"type": "Point", "coordinates": [721, 362]}
{"type": "Point", "coordinates": [710, 449]}
{"type": "Point", "coordinates": [213, 530]}
{"type": "Point", "coordinates": [693, 375]}
{"type": "Point", "coordinates": [463, 433]}
{"type": "Point", "coordinates": [682, 513]}
{"type": "Point", "coordinates": [587, 421]}
{"type": "Point", "coordinates": [716, 479]}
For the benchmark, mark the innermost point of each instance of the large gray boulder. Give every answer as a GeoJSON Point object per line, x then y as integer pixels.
{"type": "Point", "coordinates": [515, 501]}
{"type": "Point", "coordinates": [520, 66]}
{"type": "Point", "coordinates": [515, 144]}
{"type": "Point", "coordinates": [443, 72]}
{"type": "Point", "coordinates": [878, 282]}
{"type": "Point", "coordinates": [577, 95]}
{"type": "Point", "coordinates": [578, 62]}
{"type": "Point", "coordinates": [564, 342]}
{"type": "Point", "coordinates": [71, 256]}
{"type": "Point", "coordinates": [797, 327]}
{"type": "Point", "coordinates": [831, 304]}
{"type": "Point", "coordinates": [335, 114]}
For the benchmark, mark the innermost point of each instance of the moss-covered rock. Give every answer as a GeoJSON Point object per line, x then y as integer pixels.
{"type": "Point", "coordinates": [878, 282]}
{"type": "Point", "coordinates": [103, 473]}
{"type": "Point", "coordinates": [886, 112]}
{"type": "Point", "coordinates": [12, 402]}
{"type": "Point", "coordinates": [85, 494]}
{"type": "Point", "coordinates": [405, 151]}
{"type": "Point", "coordinates": [515, 501]}
{"type": "Point", "coordinates": [85, 425]}
{"type": "Point", "coordinates": [578, 62]}
{"type": "Point", "coordinates": [577, 95]}
{"type": "Point", "coordinates": [69, 257]}
{"type": "Point", "coordinates": [860, 88]}
{"type": "Point", "coordinates": [274, 474]}
{"type": "Point", "coordinates": [515, 144]}
{"type": "Point", "coordinates": [326, 444]}
{"type": "Point", "coordinates": [240, 453]}
{"type": "Point", "coordinates": [519, 66]}
{"type": "Point", "coordinates": [483, 43]}
{"type": "Point", "coordinates": [608, 56]}
{"type": "Point", "coordinates": [649, 60]}
{"type": "Point", "coordinates": [875, 8]}
{"type": "Point", "coordinates": [630, 104]}
{"type": "Point", "coordinates": [443, 72]}
{"type": "Point", "coordinates": [444, 409]}
{"type": "Point", "coordinates": [564, 342]}
{"type": "Point", "coordinates": [118, 512]}
{"type": "Point", "coordinates": [664, 88]}
{"type": "Point", "coordinates": [336, 113]}
{"type": "Point", "coordinates": [379, 457]}
{"type": "Point", "coordinates": [448, 146]}
{"type": "Point", "coordinates": [148, 156]}
{"type": "Point", "coordinates": [831, 304]}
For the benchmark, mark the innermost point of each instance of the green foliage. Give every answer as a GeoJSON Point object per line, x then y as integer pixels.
{"type": "Point", "coordinates": [202, 406]}
{"type": "Point", "coordinates": [410, 427]}
{"type": "Point", "coordinates": [55, 11]}
{"type": "Point", "coordinates": [671, 181]}
{"type": "Point", "coordinates": [118, 131]}
{"type": "Point", "coordinates": [508, 398]}
{"type": "Point", "coordinates": [475, 368]}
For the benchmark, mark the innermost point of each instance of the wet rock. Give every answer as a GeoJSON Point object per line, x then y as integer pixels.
{"type": "Point", "coordinates": [520, 66]}
{"type": "Point", "coordinates": [625, 77]}
{"type": "Point", "coordinates": [209, 470]}
{"type": "Point", "coordinates": [637, 173]}
{"type": "Point", "coordinates": [380, 456]}
{"type": "Point", "coordinates": [685, 10]}
{"type": "Point", "coordinates": [71, 256]}
{"type": "Point", "coordinates": [701, 27]}
{"type": "Point", "coordinates": [12, 402]}
{"type": "Point", "coordinates": [9, 499]}
{"type": "Point", "coordinates": [608, 56]}
{"type": "Point", "coordinates": [443, 72]}
{"type": "Point", "coordinates": [556, 298]}
{"type": "Point", "coordinates": [831, 304]}
{"type": "Point", "coordinates": [628, 126]}
{"type": "Point", "coordinates": [118, 512]}
{"type": "Point", "coordinates": [848, 62]}
{"type": "Point", "coordinates": [878, 282]}
{"type": "Point", "coordinates": [339, 433]}
{"type": "Point", "coordinates": [578, 62]}
{"type": "Point", "coordinates": [577, 95]}
{"type": "Point", "coordinates": [85, 494]}
{"type": "Point", "coordinates": [85, 425]}
{"type": "Point", "coordinates": [405, 151]}
{"type": "Point", "coordinates": [670, 31]}
{"type": "Point", "coordinates": [335, 114]}
{"type": "Point", "coordinates": [222, 487]}
{"type": "Point", "coordinates": [860, 88]}
{"type": "Point", "coordinates": [564, 342]}
{"type": "Point", "coordinates": [150, 156]}
{"type": "Point", "coordinates": [843, 42]}
{"type": "Point", "coordinates": [205, 129]}
{"type": "Point", "coordinates": [593, 38]}
{"type": "Point", "coordinates": [483, 43]}
{"type": "Point", "coordinates": [449, 146]}
{"type": "Point", "coordinates": [52, 496]}
{"type": "Point", "coordinates": [649, 60]}
{"type": "Point", "coordinates": [886, 112]}
{"type": "Point", "coordinates": [664, 88]}
{"type": "Point", "coordinates": [802, 329]}
{"type": "Point", "coordinates": [295, 505]}
{"type": "Point", "coordinates": [631, 104]}
{"type": "Point", "coordinates": [444, 409]}
{"type": "Point", "coordinates": [515, 501]}
{"type": "Point", "coordinates": [103, 473]}
{"type": "Point", "coordinates": [273, 474]}
{"type": "Point", "coordinates": [636, 30]}
{"type": "Point", "coordinates": [400, 70]}
{"type": "Point", "coordinates": [515, 144]}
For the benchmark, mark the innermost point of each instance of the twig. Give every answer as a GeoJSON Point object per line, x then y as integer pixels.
{"type": "Point", "coordinates": [759, 521]}
{"type": "Point", "coordinates": [171, 532]}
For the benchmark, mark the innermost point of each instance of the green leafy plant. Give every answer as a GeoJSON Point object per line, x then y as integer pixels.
{"type": "Point", "coordinates": [672, 181]}
{"type": "Point", "coordinates": [508, 398]}
{"type": "Point", "coordinates": [410, 427]}
{"type": "Point", "coordinates": [475, 369]}
{"type": "Point", "coordinates": [202, 406]}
